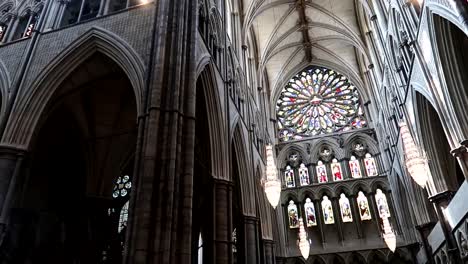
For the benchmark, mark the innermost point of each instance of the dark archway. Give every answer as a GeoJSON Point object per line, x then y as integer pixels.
{"type": "Point", "coordinates": [202, 220]}
{"type": "Point", "coordinates": [85, 141]}
{"type": "Point", "coordinates": [443, 165]}
{"type": "Point", "coordinates": [451, 44]}
{"type": "Point", "coordinates": [238, 234]}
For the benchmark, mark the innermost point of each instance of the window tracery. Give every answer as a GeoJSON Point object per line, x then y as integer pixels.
{"type": "Point", "coordinates": [318, 101]}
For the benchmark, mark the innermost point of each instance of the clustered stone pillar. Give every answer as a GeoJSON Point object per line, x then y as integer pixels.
{"type": "Point", "coordinates": [251, 239]}
{"type": "Point", "coordinates": [441, 201]}
{"type": "Point", "coordinates": [160, 215]}
{"type": "Point", "coordinates": [269, 251]}
{"type": "Point", "coordinates": [10, 166]}
{"type": "Point", "coordinates": [222, 225]}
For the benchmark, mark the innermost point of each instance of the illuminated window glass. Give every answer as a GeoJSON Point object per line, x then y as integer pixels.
{"type": "Point", "coordinates": [382, 204]}
{"type": "Point", "coordinates": [310, 213]}
{"type": "Point", "coordinates": [304, 175]}
{"type": "Point", "coordinates": [327, 209]}
{"type": "Point", "coordinates": [321, 172]}
{"type": "Point", "coordinates": [371, 168]}
{"type": "Point", "coordinates": [363, 205]}
{"type": "Point", "coordinates": [345, 209]}
{"type": "Point", "coordinates": [355, 167]}
{"type": "Point", "coordinates": [318, 101]}
{"type": "Point", "coordinates": [123, 217]}
{"type": "Point", "coordinates": [336, 170]}
{"type": "Point", "coordinates": [289, 177]}
{"type": "Point", "coordinates": [293, 215]}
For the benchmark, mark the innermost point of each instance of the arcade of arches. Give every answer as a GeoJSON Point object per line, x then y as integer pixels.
{"type": "Point", "coordinates": [136, 131]}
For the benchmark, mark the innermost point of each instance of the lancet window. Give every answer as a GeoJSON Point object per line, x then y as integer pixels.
{"type": "Point", "coordinates": [327, 210]}
{"type": "Point", "coordinates": [345, 208]}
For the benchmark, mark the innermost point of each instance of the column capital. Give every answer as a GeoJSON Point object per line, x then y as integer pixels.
{"type": "Point", "coordinates": [442, 198]}
{"type": "Point", "coordinates": [6, 150]}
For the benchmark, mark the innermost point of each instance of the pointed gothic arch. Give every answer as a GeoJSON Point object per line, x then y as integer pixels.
{"type": "Point", "coordinates": [97, 40]}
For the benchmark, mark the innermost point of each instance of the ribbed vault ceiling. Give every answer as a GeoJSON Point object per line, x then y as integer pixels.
{"type": "Point", "coordinates": [290, 34]}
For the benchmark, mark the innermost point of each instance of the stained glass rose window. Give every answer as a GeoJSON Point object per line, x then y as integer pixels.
{"type": "Point", "coordinates": [318, 101]}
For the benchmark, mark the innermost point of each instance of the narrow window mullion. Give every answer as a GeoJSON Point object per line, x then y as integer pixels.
{"type": "Point", "coordinates": [81, 11]}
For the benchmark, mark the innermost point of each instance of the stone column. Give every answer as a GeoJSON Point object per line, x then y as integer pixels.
{"type": "Point", "coordinates": [160, 214]}
{"type": "Point", "coordinates": [269, 251]}
{"type": "Point", "coordinates": [10, 166]}
{"type": "Point", "coordinates": [461, 153]}
{"type": "Point", "coordinates": [441, 201]}
{"type": "Point", "coordinates": [222, 247]}
{"type": "Point", "coordinates": [374, 211]}
{"type": "Point", "coordinates": [320, 220]}
{"type": "Point", "coordinates": [252, 248]}
{"type": "Point", "coordinates": [357, 216]}
{"type": "Point", "coordinates": [338, 219]}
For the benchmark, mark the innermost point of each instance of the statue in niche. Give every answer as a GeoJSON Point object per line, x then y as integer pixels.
{"type": "Point", "coordinates": [325, 154]}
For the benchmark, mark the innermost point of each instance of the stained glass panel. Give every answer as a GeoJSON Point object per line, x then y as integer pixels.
{"type": "Point", "coordinates": [321, 172]}
{"type": "Point", "coordinates": [371, 168]}
{"type": "Point", "coordinates": [363, 205]}
{"type": "Point", "coordinates": [293, 215]}
{"type": "Point", "coordinates": [355, 167]}
{"type": "Point", "coordinates": [382, 204]}
{"type": "Point", "coordinates": [123, 217]}
{"type": "Point", "coordinates": [318, 101]}
{"type": "Point", "coordinates": [310, 213]}
{"type": "Point", "coordinates": [304, 175]}
{"type": "Point", "coordinates": [336, 170]}
{"type": "Point", "coordinates": [345, 209]}
{"type": "Point", "coordinates": [2, 32]}
{"type": "Point", "coordinates": [327, 209]}
{"type": "Point", "coordinates": [289, 177]}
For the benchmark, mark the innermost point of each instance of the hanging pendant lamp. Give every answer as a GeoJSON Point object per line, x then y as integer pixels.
{"type": "Point", "coordinates": [414, 162]}
{"type": "Point", "coordinates": [303, 243]}
{"type": "Point", "coordinates": [272, 184]}
{"type": "Point", "coordinates": [388, 235]}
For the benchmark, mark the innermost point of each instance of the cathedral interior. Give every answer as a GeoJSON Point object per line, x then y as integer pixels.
{"type": "Point", "coordinates": [233, 131]}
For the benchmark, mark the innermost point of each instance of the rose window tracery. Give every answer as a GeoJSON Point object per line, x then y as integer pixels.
{"type": "Point", "coordinates": [318, 101]}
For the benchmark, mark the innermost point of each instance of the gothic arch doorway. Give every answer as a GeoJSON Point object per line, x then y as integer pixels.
{"type": "Point", "coordinates": [84, 143]}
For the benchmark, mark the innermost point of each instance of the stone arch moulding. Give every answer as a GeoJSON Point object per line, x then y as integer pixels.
{"type": "Point", "coordinates": [246, 183]}
{"type": "Point", "coordinates": [447, 10]}
{"type": "Point", "coordinates": [372, 145]}
{"type": "Point", "coordinates": [29, 108]}
{"type": "Point", "coordinates": [283, 154]}
{"type": "Point", "coordinates": [5, 82]}
{"type": "Point", "coordinates": [329, 142]}
{"type": "Point", "coordinates": [215, 122]}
